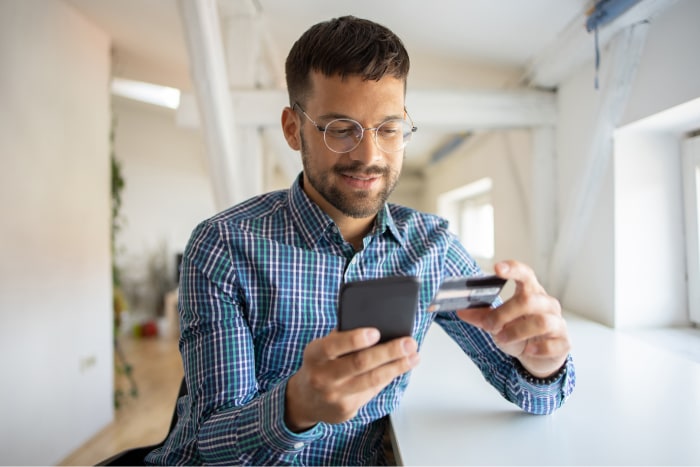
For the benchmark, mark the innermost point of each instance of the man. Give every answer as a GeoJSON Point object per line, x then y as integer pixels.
{"type": "Point", "coordinates": [270, 379]}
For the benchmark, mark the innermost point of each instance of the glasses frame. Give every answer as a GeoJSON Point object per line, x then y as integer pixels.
{"type": "Point", "coordinates": [323, 129]}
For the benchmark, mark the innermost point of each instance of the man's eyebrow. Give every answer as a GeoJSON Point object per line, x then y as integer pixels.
{"type": "Point", "coordinates": [334, 115]}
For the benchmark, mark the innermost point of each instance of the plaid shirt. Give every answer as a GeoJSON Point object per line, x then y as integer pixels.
{"type": "Point", "coordinates": [258, 283]}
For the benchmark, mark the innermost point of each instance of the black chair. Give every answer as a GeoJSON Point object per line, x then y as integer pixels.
{"type": "Point", "coordinates": [135, 456]}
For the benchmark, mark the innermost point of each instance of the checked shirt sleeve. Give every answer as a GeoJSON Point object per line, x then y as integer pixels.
{"type": "Point", "coordinates": [234, 422]}
{"type": "Point", "coordinates": [500, 369]}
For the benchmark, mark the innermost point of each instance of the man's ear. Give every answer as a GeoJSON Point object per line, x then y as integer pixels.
{"type": "Point", "coordinates": [291, 128]}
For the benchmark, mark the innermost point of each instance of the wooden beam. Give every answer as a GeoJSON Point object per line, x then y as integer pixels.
{"type": "Point", "coordinates": [208, 68]}
{"type": "Point", "coordinates": [575, 45]}
{"type": "Point", "coordinates": [482, 109]}
{"type": "Point", "coordinates": [451, 111]}
{"type": "Point", "coordinates": [543, 209]}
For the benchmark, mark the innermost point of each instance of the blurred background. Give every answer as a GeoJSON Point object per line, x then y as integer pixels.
{"type": "Point", "coordinates": [562, 133]}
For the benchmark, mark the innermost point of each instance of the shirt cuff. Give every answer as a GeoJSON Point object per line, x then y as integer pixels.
{"type": "Point", "coordinates": [274, 429]}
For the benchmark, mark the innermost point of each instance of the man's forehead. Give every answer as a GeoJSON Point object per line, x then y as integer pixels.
{"type": "Point", "coordinates": [348, 84]}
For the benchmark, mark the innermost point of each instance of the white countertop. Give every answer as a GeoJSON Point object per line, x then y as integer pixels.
{"type": "Point", "coordinates": [634, 404]}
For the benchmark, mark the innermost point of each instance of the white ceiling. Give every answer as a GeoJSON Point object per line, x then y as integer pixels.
{"type": "Point", "coordinates": [148, 34]}
{"type": "Point", "coordinates": [500, 32]}
{"type": "Point", "coordinates": [453, 43]}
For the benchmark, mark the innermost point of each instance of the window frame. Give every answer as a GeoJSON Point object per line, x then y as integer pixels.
{"type": "Point", "coordinates": [691, 201]}
{"type": "Point", "coordinates": [451, 205]}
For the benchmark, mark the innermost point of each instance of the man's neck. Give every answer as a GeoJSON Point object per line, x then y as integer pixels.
{"type": "Point", "coordinates": [354, 230]}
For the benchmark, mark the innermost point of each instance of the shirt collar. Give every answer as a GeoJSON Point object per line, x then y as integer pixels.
{"type": "Point", "coordinates": [385, 222]}
{"type": "Point", "coordinates": [312, 221]}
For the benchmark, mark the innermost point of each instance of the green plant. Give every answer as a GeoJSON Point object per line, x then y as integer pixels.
{"type": "Point", "coordinates": [117, 186]}
{"type": "Point", "coordinates": [119, 304]}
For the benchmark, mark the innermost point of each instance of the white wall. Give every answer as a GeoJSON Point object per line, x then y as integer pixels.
{"type": "Point", "coordinates": [506, 157]}
{"type": "Point", "coordinates": [56, 357]}
{"type": "Point", "coordinates": [669, 71]}
{"type": "Point", "coordinates": [650, 287]}
{"type": "Point", "coordinates": [167, 193]}
{"type": "Point", "coordinates": [666, 77]}
{"type": "Point", "coordinates": [591, 279]}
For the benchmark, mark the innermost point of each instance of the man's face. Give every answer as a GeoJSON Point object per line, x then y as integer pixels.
{"type": "Point", "coordinates": [355, 184]}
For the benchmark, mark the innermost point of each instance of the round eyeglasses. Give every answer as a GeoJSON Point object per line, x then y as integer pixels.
{"type": "Point", "coordinates": [345, 134]}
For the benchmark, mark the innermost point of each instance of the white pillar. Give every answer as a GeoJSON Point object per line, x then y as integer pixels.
{"type": "Point", "coordinates": [208, 67]}
{"type": "Point", "coordinates": [243, 52]}
{"type": "Point", "coordinates": [544, 204]}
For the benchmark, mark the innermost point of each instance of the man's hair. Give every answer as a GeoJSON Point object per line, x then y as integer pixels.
{"type": "Point", "coordinates": [342, 47]}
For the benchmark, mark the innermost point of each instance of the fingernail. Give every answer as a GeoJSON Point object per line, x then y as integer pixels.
{"type": "Point", "coordinates": [503, 267]}
{"type": "Point", "coordinates": [408, 346]}
{"type": "Point", "coordinates": [372, 335]}
{"type": "Point", "coordinates": [414, 359]}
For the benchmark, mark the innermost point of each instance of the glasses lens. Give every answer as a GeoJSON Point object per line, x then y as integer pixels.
{"type": "Point", "coordinates": [343, 135]}
{"type": "Point", "coordinates": [393, 135]}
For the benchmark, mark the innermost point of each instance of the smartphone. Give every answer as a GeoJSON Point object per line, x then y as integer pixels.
{"type": "Point", "coordinates": [388, 304]}
{"type": "Point", "coordinates": [456, 293]}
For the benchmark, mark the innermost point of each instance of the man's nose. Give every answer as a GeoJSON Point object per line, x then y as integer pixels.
{"type": "Point", "coordinates": [367, 151]}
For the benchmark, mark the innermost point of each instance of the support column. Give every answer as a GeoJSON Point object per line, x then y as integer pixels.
{"type": "Point", "coordinates": [544, 205]}
{"type": "Point", "coordinates": [243, 52]}
{"type": "Point", "coordinates": [208, 68]}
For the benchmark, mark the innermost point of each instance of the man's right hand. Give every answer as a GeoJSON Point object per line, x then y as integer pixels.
{"type": "Point", "coordinates": [341, 372]}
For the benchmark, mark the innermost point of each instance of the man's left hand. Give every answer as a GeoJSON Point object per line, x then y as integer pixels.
{"type": "Point", "coordinates": [529, 325]}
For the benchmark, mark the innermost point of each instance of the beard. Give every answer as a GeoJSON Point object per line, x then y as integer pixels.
{"type": "Point", "coordinates": [358, 204]}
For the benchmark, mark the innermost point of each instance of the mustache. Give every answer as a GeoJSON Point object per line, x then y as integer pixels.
{"type": "Point", "coordinates": [358, 168]}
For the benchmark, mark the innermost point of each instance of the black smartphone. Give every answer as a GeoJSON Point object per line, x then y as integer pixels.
{"type": "Point", "coordinates": [456, 293]}
{"type": "Point", "coordinates": [388, 304]}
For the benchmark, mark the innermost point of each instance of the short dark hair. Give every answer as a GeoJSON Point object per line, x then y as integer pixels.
{"type": "Point", "coordinates": [344, 46]}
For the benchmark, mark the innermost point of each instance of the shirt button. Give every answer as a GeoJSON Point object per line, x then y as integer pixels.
{"type": "Point", "coordinates": [298, 445]}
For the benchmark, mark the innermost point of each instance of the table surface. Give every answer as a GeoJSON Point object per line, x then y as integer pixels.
{"type": "Point", "coordinates": [634, 404]}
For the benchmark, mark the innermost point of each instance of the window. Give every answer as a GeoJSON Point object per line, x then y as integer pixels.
{"type": "Point", "coordinates": [656, 260]}
{"type": "Point", "coordinates": [475, 225]}
{"type": "Point", "coordinates": [691, 190]}
{"type": "Point", "coordinates": [470, 212]}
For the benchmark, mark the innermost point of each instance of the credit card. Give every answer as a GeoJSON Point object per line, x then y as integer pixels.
{"type": "Point", "coordinates": [457, 293]}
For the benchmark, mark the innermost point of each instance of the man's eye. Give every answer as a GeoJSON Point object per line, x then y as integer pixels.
{"type": "Point", "coordinates": [340, 132]}
{"type": "Point", "coordinates": [390, 129]}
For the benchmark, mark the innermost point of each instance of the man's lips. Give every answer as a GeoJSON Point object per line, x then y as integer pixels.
{"type": "Point", "coordinates": [362, 181]}
{"type": "Point", "coordinates": [361, 177]}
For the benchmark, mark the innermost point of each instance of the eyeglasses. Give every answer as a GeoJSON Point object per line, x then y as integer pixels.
{"type": "Point", "coordinates": [345, 134]}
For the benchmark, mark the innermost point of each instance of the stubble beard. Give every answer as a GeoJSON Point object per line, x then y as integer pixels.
{"type": "Point", "coordinates": [361, 204]}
